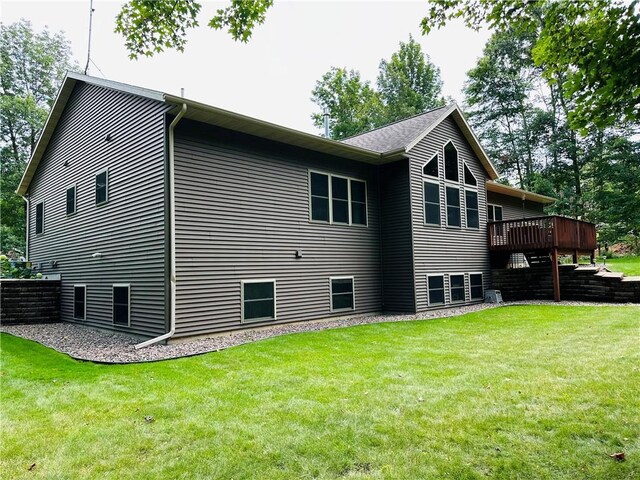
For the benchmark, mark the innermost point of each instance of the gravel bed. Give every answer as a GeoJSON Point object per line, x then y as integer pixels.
{"type": "Point", "coordinates": [85, 343]}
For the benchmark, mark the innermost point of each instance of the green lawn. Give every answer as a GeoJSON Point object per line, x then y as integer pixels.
{"type": "Point", "coordinates": [628, 265]}
{"type": "Point", "coordinates": [514, 392]}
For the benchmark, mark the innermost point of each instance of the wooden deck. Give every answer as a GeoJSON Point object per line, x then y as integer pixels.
{"type": "Point", "coordinates": [565, 235]}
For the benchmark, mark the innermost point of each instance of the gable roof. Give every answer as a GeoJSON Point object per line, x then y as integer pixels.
{"type": "Point", "coordinates": [383, 145]}
{"type": "Point", "coordinates": [405, 134]}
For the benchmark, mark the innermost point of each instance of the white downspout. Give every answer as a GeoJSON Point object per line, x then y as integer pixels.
{"type": "Point", "coordinates": [172, 237]}
{"type": "Point", "coordinates": [26, 243]}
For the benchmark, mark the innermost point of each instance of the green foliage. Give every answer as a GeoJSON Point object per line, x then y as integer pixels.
{"type": "Point", "coordinates": [352, 104]}
{"type": "Point", "coordinates": [151, 26]}
{"type": "Point", "coordinates": [590, 46]}
{"type": "Point", "coordinates": [13, 269]}
{"type": "Point", "coordinates": [408, 84]}
{"type": "Point", "coordinates": [31, 69]}
{"type": "Point", "coordinates": [526, 392]}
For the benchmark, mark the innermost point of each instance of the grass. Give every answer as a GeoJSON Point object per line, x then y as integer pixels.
{"type": "Point", "coordinates": [629, 265]}
{"type": "Point", "coordinates": [514, 392]}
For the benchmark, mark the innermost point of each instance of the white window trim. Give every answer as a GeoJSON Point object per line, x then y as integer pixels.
{"type": "Point", "coordinates": [493, 206]}
{"type": "Point", "coordinates": [444, 164]}
{"type": "Point", "coordinates": [35, 230]}
{"type": "Point", "coordinates": [348, 179]}
{"type": "Point", "coordinates": [113, 304]}
{"type": "Point", "coordinates": [424, 175]}
{"type": "Point", "coordinates": [444, 290]}
{"type": "Point", "coordinates": [84, 317]}
{"type": "Point", "coordinates": [75, 199]}
{"type": "Point", "coordinates": [353, 293]}
{"type": "Point", "coordinates": [466, 216]}
{"type": "Point", "coordinates": [471, 299]}
{"type": "Point", "coordinates": [95, 192]}
{"type": "Point", "coordinates": [427, 179]}
{"type": "Point", "coordinates": [464, 164]}
{"type": "Point", "coordinates": [465, 284]}
{"type": "Point", "coordinates": [275, 299]}
{"type": "Point", "coordinates": [446, 204]}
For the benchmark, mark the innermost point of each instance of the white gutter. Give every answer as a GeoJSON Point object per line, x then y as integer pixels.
{"type": "Point", "coordinates": [172, 238]}
{"type": "Point", "coordinates": [25, 197]}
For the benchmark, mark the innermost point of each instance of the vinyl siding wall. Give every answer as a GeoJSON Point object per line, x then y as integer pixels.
{"type": "Point", "coordinates": [128, 230]}
{"type": "Point", "coordinates": [513, 208]}
{"type": "Point", "coordinates": [397, 253]}
{"type": "Point", "coordinates": [242, 211]}
{"type": "Point", "coordinates": [442, 249]}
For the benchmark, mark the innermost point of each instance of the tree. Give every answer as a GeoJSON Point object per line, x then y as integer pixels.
{"type": "Point", "coordinates": [588, 45]}
{"type": "Point", "coordinates": [353, 106]}
{"type": "Point", "coordinates": [409, 83]}
{"type": "Point", "coordinates": [150, 26]}
{"type": "Point", "coordinates": [31, 69]}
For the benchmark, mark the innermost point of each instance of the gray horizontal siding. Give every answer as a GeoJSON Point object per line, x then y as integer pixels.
{"type": "Point", "coordinates": [442, 249]}
{"type": "Point", "coordinates": [242, 210]}
{"type": "Point", "coordinates": [397, 253]}
{"type": "Point", "coordinates": [129, 229]}
{"type": "Point", "coordinates": [514, 208]}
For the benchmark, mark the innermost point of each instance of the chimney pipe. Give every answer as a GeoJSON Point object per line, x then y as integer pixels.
{"type": "Point", "coordinates": [182, 92]}
{"type": "Point", "coordinates": [325, 113]}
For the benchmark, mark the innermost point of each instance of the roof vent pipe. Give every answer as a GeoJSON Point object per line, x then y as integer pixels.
{"type": "Point", "coordinates": [182, 92]}
{"type": "Point", "coordinates": [325, 113]}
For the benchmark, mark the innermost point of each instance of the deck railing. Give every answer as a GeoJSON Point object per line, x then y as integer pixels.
{"type": "Point", "coordinates": [542, 233]}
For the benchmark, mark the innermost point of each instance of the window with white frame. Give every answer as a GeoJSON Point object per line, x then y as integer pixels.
{"type": "Point", "coordinates": [258, 300]}
{"type": "Point", "coordinates": [79, 302]}
{"type": "Point", "coordinates": [431, 203]}
{"type": "Point", "coordinates": [475, 286]}
{"type": "Point", "coordinates": [121, 304]}
{"type": "Point", "coordinates": [453, 206]}
{"type": "Point", "coordinates": [342, 293]}
{"type": "Point", "coordinates": [39, 218]}
{"type": "Point", "coordinates": [450, 162]}
{"type": "Point", "coordinates": [430, 168]}
{"type": "Point", "coordinates": [435, 290]}
{"type": "Point", "coordinates": [102, 187]}
{"type": "Point", "coordinates": [456, 288]}
{"type": "Point", "coordinates": [469, 178]}
{"type": "Point", "coordinates": [471, 204]}
{"type": "Point", "coordinates": [71, 200]}
{"type": "Point", "coordinates": [494, 213]}
{"type": "Point", "coordinates": [337, 199]}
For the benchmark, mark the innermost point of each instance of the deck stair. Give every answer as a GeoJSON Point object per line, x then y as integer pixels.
{"type": "Point", "coordinates": [538, 258]}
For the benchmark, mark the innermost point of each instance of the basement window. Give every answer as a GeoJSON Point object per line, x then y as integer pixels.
{"type": "Point", "coordinates": [79, 302]}
{"type": "Point", "coordinates": [456, 288]}
{"type": "Point", "coordinates": [342, 293]}
{"type": "Point", "coordinates": [71, 200]}
{"type": "Point", "coordinates": [435, 290]}
{"type": "Point", "coordinates": [102, 187]}
{"type": "Point", "coordinates": [475, 283]}
{"type": "Point", "coordinates": [39, 218]}
{"type": "Point", "coordinates": [121, 304]}
{"type": "Point", "coordinates": [258, 300]}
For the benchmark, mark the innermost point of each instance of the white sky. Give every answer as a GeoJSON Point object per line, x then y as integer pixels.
{"type": "Point", "coordinates": [272, 76]}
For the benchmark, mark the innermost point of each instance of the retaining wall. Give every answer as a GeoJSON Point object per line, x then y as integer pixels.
{"type": "Point", "coordinates": [29, 301]}
{"type": "Point", "coordinates": [586, 284]}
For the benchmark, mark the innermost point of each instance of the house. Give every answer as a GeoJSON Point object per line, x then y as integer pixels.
{"type": "Point", "coordinates": [165, 217]}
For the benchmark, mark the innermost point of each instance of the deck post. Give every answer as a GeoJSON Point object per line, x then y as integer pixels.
{"type": "Point", "coordinates": [575, 257]}
{"type": "Point", "coordinates": [555, 272]}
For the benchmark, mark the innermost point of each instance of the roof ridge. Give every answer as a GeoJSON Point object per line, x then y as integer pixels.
{"type": "Point", "coordinates": [397, 121]}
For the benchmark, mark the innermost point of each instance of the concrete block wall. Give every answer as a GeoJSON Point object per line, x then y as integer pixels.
{"type": "Point", "coordinates": [584, 284]}
{"type": "Point", "coordinates": [29, 301]}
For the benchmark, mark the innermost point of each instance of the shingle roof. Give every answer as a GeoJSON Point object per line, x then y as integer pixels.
{"type": "Point", "coordinates": [397, 135]}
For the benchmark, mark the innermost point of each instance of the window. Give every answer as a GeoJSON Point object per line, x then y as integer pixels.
{"type": "Point", "coordinates": [319, 197]}
{"type": "Point", "coordinates": [340, 199]}
{"type": "Point", "coordinates": [79, 302]}
{"type": "Point", "coordinates": [494, 213]}
{"type": "Point", "coordinates": [102, 187]}
{"type": "Point", "coordinates": [121, 304]}
{"type": "Point", "coordinates": [71, 200]}
{"type": "Point", "coordinates": [336, 199]}
{"type": "Point", "coordinates": [469, 178]}
{"type": "Point", "coordinates": [342, 293]}
{"type": "Point", "coordinates": [431, 203]}
{"type": "Point", "coordinates": [435, 289]}
{"type": "Point", "coordinates": [450, 162]}
{"type": "Point", "coordinates": [473, 220]}
{"type": "Point", "coordinates": [431, 168]}
{"type": "Point", "coordinates": [358, 202]}
{"type": "Point", "coordinates": [453, 206]}
{"type": "Point", "coordinates": [258, 300]}
{"type": "Point", "coordinates": [456, 288]}
{"type": "Point", "coordinates": [39, 218]}
{"type": "Point", "coordinates": [475, 283]}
